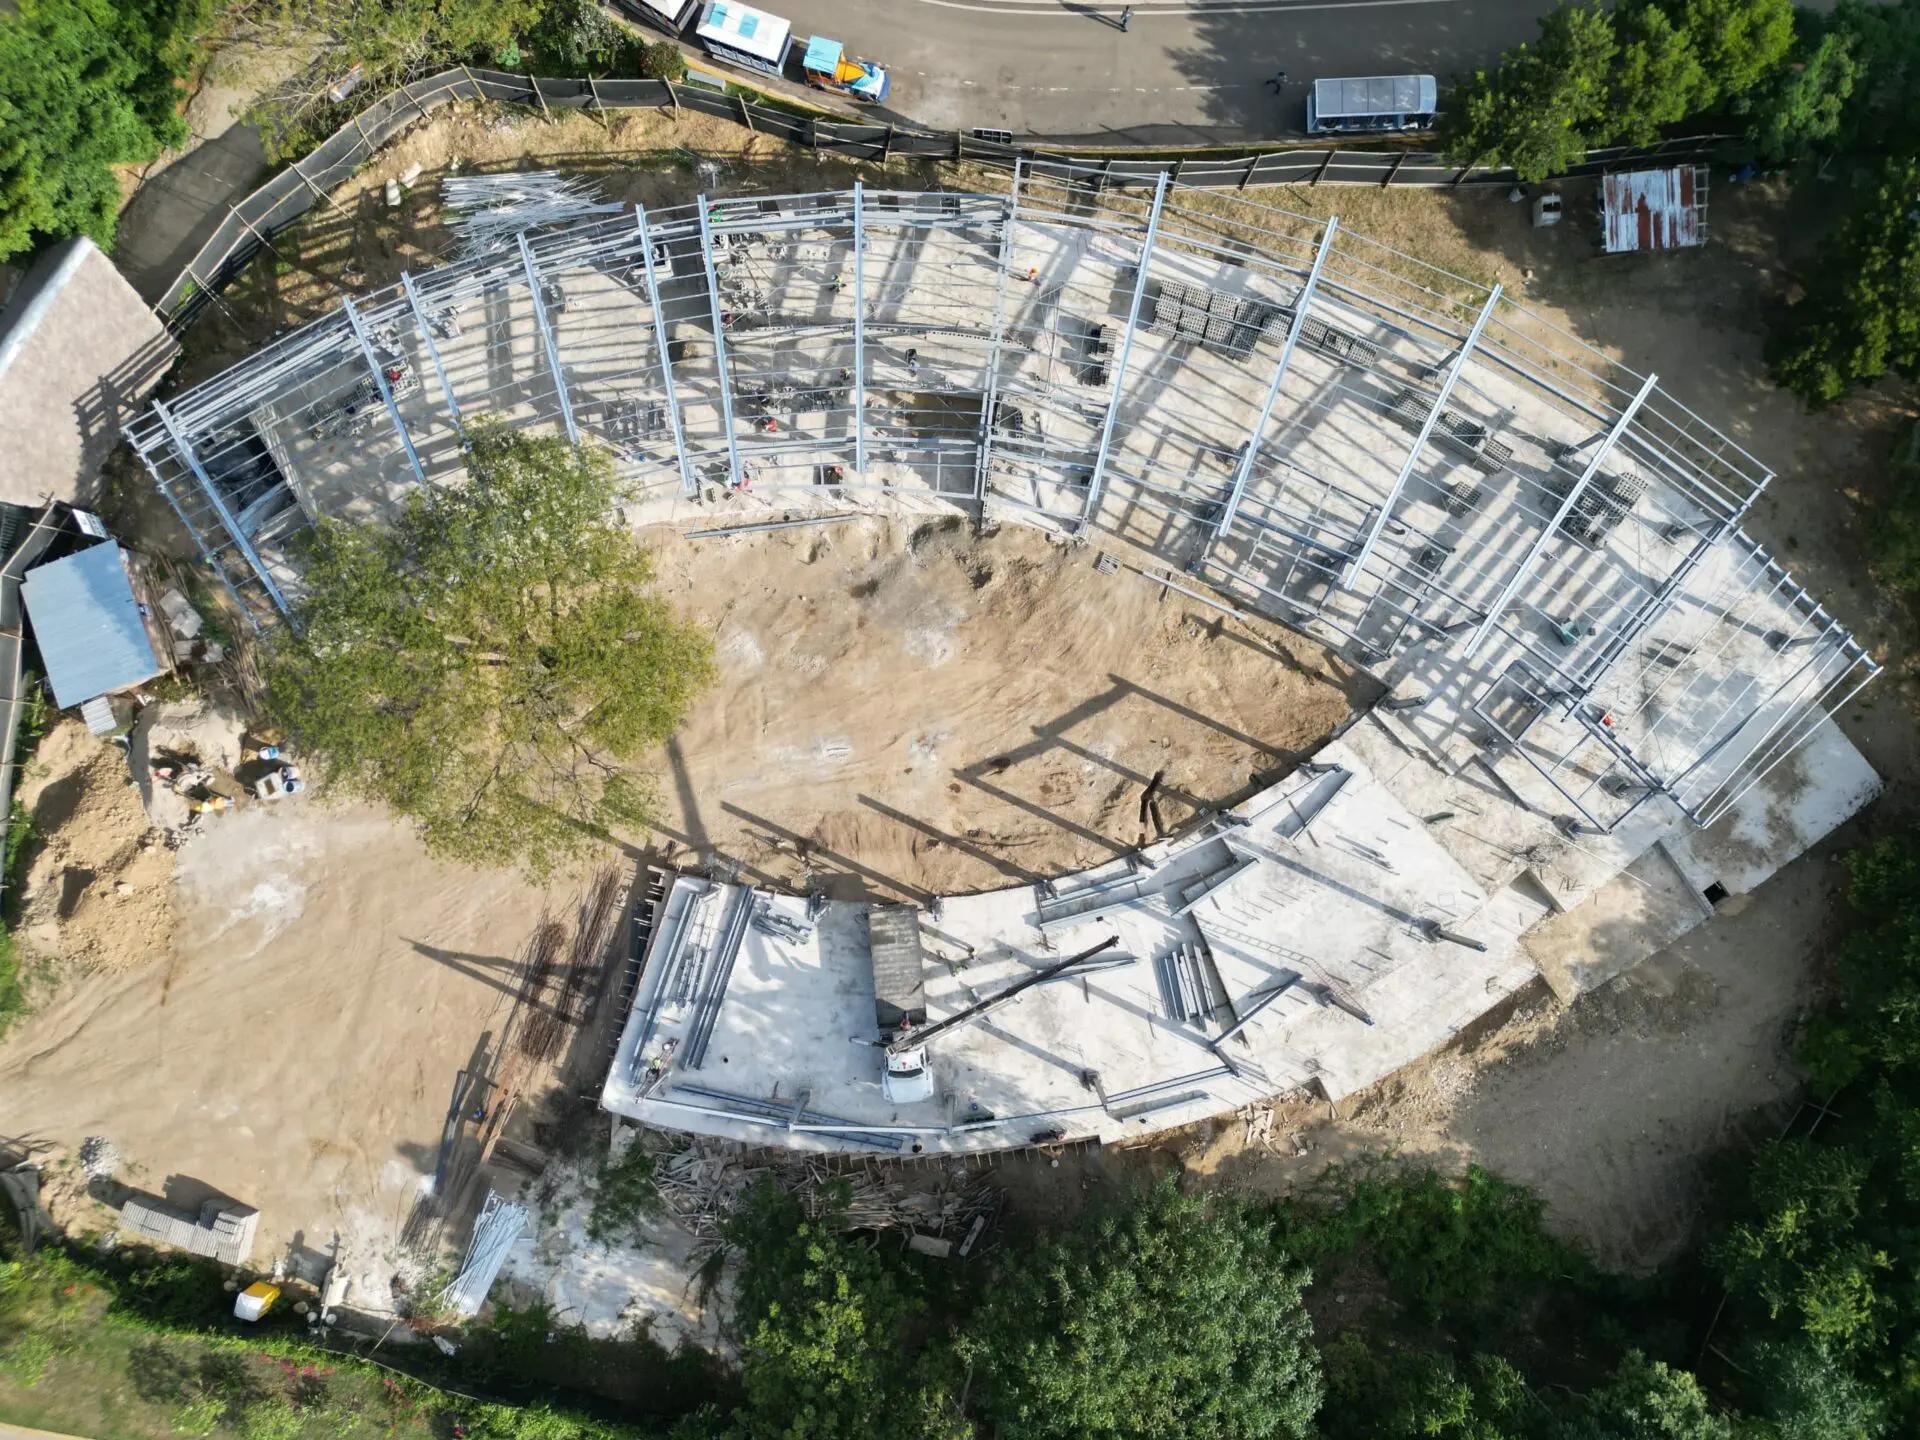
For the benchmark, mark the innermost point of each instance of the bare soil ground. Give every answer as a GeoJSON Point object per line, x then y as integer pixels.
{"type": "Point", "coordinates": [910, 711]}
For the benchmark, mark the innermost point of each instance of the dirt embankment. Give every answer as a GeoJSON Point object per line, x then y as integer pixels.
{"type": "Point", "coordinates": [99, 892]}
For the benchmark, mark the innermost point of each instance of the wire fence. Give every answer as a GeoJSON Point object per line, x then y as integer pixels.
{"type": "Point", "coordinates": [290, 194]}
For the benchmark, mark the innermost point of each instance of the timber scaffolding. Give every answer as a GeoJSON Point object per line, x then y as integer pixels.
{"type": "Point", "coordinates": [1537, 550]}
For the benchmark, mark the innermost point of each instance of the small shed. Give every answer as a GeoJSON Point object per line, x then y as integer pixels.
{"type": "Point", "coordinates": [92, 633]}
{"type": "Point", "coordinates": [1653, 209]}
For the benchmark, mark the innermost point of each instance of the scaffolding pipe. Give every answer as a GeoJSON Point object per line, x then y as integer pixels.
{"type": "Point", "coordinates": [546, 338]}
{"type": "Point", "coordinates": [719, 342]}
{"type": "Point", "coordinates": [185, 451]}
{"type": "Point", "coordinates": [687, 487]}
{"type": "Point", "coordinates": [1126, 351]}
{"type": "Point", "coordinates": [433, 351]}
{"type": "Point", "coordinates": [859, 328]}
{"type": "Point", "coordinates": [1540, 541]}
{"type": "Point", "coordinates": [1359, 561]}
{"type": "Point", "coordinates": [380, 383]}
{"type": "Point", "coordinates": [990, 397]}
{"type": "Point", "coordinates": [1244, 470]}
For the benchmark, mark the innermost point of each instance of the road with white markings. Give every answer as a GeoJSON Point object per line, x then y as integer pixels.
{"type": "Point", "coordinates": [1180, 73]}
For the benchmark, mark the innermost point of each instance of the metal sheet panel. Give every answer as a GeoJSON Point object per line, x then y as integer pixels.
{"type": "Point", "coordinates": [88, 625]}
{"type": "Point", "coordinates": [1374, 95]}
{"type": "Point", "coordinates": [1651, 210]}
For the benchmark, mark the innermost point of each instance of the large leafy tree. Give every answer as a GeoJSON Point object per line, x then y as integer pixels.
{"type": "Point", "coordinates": [1738, 42]}
{"type": "Point", "coordinates": [1657, 76]}
{"type": "Point", "coordinates": [1544, 107]}
{"type": "Point", "coordinates": [85, 85]}
{"type": "Point", "coordinates": [494, 664]}
{"type": "Point", "coordinates": [1803, 106]}
{"type": "Point", "coordinates": [1860, 315]}
{"type": "Point", "coordinates": [1170, 1316]}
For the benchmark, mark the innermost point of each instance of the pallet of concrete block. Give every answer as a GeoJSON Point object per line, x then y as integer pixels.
{"type": "Point", "coordinates": [224, 1230]}
{"type": "Point", "coordinates": [1332, 340]}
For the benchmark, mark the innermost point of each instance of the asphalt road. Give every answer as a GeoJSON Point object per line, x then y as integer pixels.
{"type": "Point", "coordinates": [1182, 73]}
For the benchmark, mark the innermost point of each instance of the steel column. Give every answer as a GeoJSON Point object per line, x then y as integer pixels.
{"type": "Point", "coordinates": [433, 351]}
{"type": "Point", "coordinates": [859, 329]}
{"type": "Point", "coordinates": [1244, 471]}
{"type": "Point", "coordinates": [1359, 561]}
{"type": "Point", "coordinates": [380, 382]}
{"type": "Point", "coordinates": [1535, 550]}
{"type": "Point", "coordinates": [232, 526]}
{"type": "Point", "coordinates": [1098, 480]}
{"type": "Point", "coordinates": [990, 390]}
{"type": "Point", "coordinates": [546, 338]}
{"type": "Point", "coordinates": [687, 487]}
{"type": "Point", "coordinates": [719, 341]}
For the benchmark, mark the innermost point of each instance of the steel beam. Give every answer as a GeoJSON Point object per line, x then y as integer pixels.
{"type": "Point", "coordinates": [1099, 477]}
{"type": "Point", "coordinates": [546, 338]}
{"type": "Point", "coordinates": [433, 351]}
{"type": "Point", "coordinates": [1244, 471]}
{"type": "Point", "coordinates": [232, 526]}
{"type": "Point", "coordinates": [1535, 550]}
{"type": "Point", "coordinates": [990, 390]}
{"type": "Point", "coordinates": [380, 382]}
{"type": "Point", "coordinates": [859, 328]}
{"type": "Point", "coordinates": [687, 487]}
{"type": "Point", "coordinates": [719, 341]}
{"type": "Point", "coordinates": [1359, 561]}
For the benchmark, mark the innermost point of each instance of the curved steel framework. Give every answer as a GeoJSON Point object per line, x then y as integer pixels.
{"type": "Point", "coordinates": [1537, 549]}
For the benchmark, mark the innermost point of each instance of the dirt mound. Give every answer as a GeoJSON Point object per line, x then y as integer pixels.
{"type": "Point", "coordinates": [99, 892]}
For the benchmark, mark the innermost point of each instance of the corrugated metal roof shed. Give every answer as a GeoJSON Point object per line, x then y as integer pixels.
{"type": "Point", "coordinates": [88, 625]}
{"type": "Point", "coordinates": [1653, 209]}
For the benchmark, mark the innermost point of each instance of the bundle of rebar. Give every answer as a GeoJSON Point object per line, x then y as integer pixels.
{"type": "Point", "coordinates": [591, 928]}
{"type": "Point", "coordinates": [485, 212]}
{"type": "Point", "coordinates": [541, 1023]}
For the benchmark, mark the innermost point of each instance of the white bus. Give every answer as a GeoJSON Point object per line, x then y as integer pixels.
{"type": "Point", "coordinates": [1372, 103]}
{"type": "Point", "coordinates": [668, 15]}
{"type": "Point", "coordinates": [740, 35]}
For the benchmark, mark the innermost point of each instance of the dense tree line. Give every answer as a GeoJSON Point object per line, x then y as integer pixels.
{"type": "Point", "coordinates": [85, 85]}
{"type": "Point", "coordinates": [89, 87]}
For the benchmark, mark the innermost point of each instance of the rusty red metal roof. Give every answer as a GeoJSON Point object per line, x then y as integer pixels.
{"type": "Point", "coordinates": [1653, 209]}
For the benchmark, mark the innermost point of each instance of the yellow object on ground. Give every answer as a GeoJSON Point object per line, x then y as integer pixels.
{"type": "Point", "coordinates": [254, 1301]}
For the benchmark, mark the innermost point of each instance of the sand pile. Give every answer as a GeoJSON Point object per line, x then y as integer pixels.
{"type": "Point", "coordinates": [99, 892]}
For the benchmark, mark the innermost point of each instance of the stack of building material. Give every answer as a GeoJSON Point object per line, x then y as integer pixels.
{"type": "Point", "coordinates": [224, 1231]}
{"type": "Point", "coordinates": [494, 1233]}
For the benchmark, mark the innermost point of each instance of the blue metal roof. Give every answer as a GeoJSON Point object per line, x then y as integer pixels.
{"type": "Point", "coordinates": [822, 54]}
{"type": "Point", "coordinates": [88, 625]}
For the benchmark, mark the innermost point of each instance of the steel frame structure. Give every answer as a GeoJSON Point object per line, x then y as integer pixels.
{"type": "Point", "coordinates": [1397, 551]}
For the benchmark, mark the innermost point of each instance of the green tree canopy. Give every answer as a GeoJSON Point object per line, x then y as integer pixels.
{"type": "Point", "coordinates": [85, 85]}
{"type": "Point", "coordinates": [1647, 1400]}
{"type": "Point", "coordinates": [1738, 42]}
{"type": "Point", "coordinates": [493, 664]}
{"type": "Point", "coordinates": [1541, 109]}
{"type": "Point", "coordinates": [1171, 1316]}
{"type": "Point", "coordinates": [1803, 106]}
{"type": "Point", "coordinates": [1799, 1252]}
{"type": "Point", "coordinates": [1860, 315]}
{"type": "Point", "coordinates": [1657, 77]}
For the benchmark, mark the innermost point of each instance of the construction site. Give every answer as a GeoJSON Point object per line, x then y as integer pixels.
{"type": "Point", "coordinates": [1603, 710]}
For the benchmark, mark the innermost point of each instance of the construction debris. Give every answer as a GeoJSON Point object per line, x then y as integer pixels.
{"type": "Point", "coordinates": [704, 1184]}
